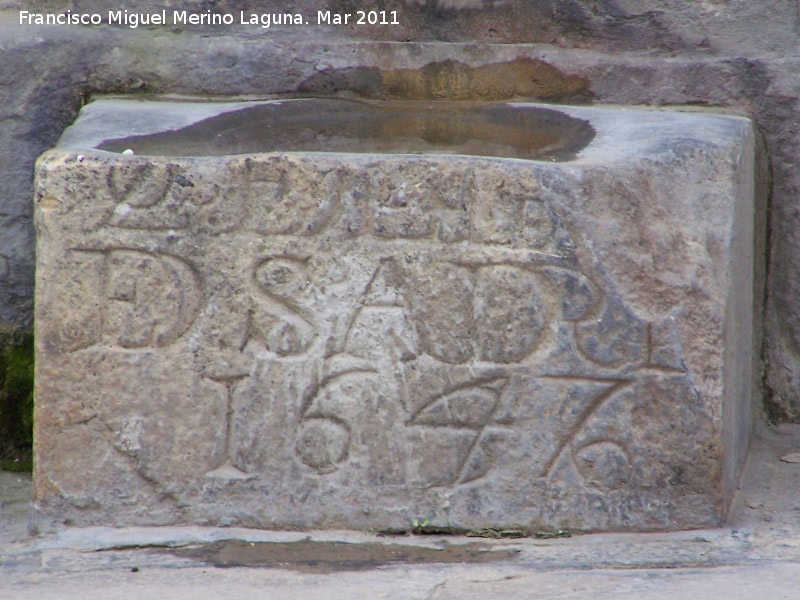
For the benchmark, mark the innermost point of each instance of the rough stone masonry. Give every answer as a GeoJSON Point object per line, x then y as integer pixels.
{"type": "Point", "coordinates": [736, 56]}
{"type": "Point", "coordinates": [366, 340]}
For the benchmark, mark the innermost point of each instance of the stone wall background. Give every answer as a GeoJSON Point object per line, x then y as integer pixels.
{"type": "Point", "coordinates": [736, 55]}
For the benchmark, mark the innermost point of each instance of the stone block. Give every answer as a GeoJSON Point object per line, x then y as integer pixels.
{"type": "Point", "coordinates": [345, 315]}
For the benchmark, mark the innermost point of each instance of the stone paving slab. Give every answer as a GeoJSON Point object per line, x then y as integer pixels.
{"type": "Point", "coordinates": [776, 581]}
{"type": "Point", "coordinates": [15, 498]}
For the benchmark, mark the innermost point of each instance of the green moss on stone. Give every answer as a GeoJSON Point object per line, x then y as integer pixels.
{"type": "Point", "coordinates": [16, 403]}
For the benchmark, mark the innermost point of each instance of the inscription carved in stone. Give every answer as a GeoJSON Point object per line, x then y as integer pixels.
{"type": "Point", "coordinates": [323, 341]}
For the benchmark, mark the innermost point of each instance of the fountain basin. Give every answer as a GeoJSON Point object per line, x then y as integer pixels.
{"type": "Point", "coordinates": [327, 313]}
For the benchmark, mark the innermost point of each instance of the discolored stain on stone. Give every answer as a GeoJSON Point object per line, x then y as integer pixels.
{"type": "Point", "coordinates": [334, 557]}
{"type": "Point", "coordinates": [453, 80]}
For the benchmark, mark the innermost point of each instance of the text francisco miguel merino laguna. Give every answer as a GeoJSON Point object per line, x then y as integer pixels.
{"type": "Point", "coordinates": [183, 17]}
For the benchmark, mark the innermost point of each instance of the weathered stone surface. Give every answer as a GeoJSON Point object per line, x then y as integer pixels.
{"type": "Point", "coordinates": [341, 340]}
{"type": "Point", "coordinates": [735, 54]}
{"type": "Point", "coordinates": [736, 27]}
{"type": "Point", "coordinates": [740, 55]}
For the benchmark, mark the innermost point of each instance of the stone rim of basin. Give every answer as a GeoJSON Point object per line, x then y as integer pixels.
{"type": "Point", "coordinates": [605, 134]}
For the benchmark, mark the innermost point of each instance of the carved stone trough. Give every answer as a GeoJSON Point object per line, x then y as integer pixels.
{"type": "Point", "coordinates": [333, 314]}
